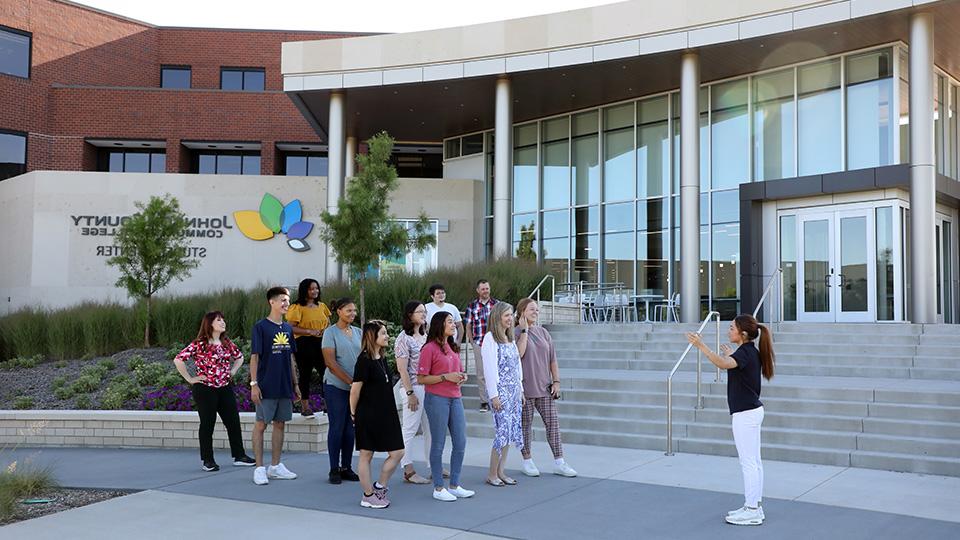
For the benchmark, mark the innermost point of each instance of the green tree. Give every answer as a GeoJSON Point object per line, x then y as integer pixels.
{"type": "Point", "coordinates": [153, 251]}
{"type": "Point", "coordinates": [363, 231]}
{"type": "Point", "coordinates": [525, 250]}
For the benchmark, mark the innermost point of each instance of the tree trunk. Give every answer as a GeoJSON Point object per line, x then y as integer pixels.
{"type": "Point", "coordinates": [146, 327]}
{"type": "Point", "coordinates": [363, 301]}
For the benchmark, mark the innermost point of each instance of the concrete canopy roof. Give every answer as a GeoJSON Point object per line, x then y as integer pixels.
{"type": "Point", "coordinates": [460, 98]}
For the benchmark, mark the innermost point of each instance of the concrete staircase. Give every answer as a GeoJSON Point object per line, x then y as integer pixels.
{"type": "Point", "coordinates": [879, 396]}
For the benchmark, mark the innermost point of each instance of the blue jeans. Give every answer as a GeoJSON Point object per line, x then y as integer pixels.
{"type": "Point", "coordinates": [340, 430]}
{"type": "Point", "coordinates": [445, 413]}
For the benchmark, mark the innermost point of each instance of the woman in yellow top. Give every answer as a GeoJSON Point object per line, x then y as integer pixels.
{"type": "Point", "coordinates": [309, 317]}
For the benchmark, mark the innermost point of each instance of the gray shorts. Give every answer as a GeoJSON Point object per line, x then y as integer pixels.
{"type": "Point", "coordinates": [275, 410]}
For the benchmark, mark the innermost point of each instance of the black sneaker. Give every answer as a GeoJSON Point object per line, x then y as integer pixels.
{"type": "Point", "coordinates": [484, 407]}
{"type": "Point", "coordinates": [210, 466]}
{"type": "Point", "coordinates": [348, 474]}
{"type": "Point", "coordinates": [335, 477]}
{"type": "Point", "coordinates": [244, 461]}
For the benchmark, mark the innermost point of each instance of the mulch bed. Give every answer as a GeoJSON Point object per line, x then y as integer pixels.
{"type": "Point", "coordinates": [62, 499]}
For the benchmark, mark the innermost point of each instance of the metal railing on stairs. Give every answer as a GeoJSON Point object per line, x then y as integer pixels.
{"type": "Point", "coordinates": [712, 314]}
{"type": "Point", "coordinates": [775, 278]}
{"type": "Point", "coordinates": [553, 294]}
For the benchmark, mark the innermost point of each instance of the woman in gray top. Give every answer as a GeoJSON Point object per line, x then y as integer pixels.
{"type": "Point", "coordinates": [541, 386]}
{"type": "Point", "coordinates": [341, 347]}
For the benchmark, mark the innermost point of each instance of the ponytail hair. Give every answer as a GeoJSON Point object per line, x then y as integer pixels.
{"type": "Point", "coordinates": [749, 326]}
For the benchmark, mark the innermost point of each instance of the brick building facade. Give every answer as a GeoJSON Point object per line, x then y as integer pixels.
{"type": "Point", "coordinates": [95, 75]}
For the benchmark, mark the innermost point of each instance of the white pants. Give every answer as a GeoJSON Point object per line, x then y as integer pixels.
{"type": "Point", "coordinates": [746, 435]}
{"type": "Point", "coordinates": [412, 422]}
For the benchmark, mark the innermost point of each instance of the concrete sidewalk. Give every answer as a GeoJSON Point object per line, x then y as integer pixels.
{"type": "Point", "coordinates": [619, 493]}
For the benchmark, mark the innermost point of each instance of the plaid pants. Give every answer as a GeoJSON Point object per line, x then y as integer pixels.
{"type": "Point", "coordinates": [547, 407]}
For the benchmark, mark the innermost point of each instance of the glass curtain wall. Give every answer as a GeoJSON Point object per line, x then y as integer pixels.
{"type": "Point", "coordinates": [870, 109]}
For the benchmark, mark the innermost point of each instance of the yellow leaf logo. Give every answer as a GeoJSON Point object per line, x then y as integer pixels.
{"type": "Point", "coordinates": [281, 339]}
{"type": "Point", "coordinates": [250, 224]}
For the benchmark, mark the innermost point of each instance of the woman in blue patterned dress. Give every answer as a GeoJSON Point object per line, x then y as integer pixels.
{"type": "Point", "coordinates": [503, 377]}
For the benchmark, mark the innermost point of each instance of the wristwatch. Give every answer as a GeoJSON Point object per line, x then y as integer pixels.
{"type": "Point", "coordinates": [523, 330]}
{"type": "Point", "coordinates": [409, 392]}
{"type": "Point", "coordinates": [253, 383]}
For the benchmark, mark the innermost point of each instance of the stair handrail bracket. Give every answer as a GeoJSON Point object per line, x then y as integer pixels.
{"type": "Point", "coordinates": [699, 405]}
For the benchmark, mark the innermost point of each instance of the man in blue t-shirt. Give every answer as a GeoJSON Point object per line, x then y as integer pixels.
{"type": "Point", "coordinates": [273, 383]}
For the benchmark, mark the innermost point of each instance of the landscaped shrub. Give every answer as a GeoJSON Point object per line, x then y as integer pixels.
{"type": "Point", "coordinates": [109, 328]}
{"type": "Point", "coordinates": [168, 398]}
{"type": "Point", "coordinates": [121, 389]}
{"type": "Point", "coordinates": [25, 333]}
{"type": "Point", "coordinates": [174, 350]}
{"type": "Point", "coordinates": [95, 371]}
{"type": "Point", "coordinates": [60, 364]}
{"type": "Point", "coordinates": [85, 384]}
{"type": "Point", "coordinates": [108, 364]}
{"type": "Point", "coordinates": [63, 392]}
{"type": "Point", "coordinates": [21, 481]}
{"type": "Point", "coordinates": [65, 332]}
{"type": "Point", "coordinates": [135, 362]}
{"type": "Point", "coordinates": [23, 402]}
{"type": "Point", "coordinates": [83, 402]}
{"type": "Point", "coordinates": [151, 374]}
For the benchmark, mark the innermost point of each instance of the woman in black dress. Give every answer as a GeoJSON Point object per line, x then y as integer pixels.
{"type": "Point", "coordinates": [374, 413]}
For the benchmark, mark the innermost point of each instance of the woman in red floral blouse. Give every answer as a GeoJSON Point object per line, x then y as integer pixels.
{"type": "Point", "coordinates": [216, 359]}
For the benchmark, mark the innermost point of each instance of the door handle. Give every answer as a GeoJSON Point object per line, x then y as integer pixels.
{"type": "Point", "coordinates": [843, 281]}
{"type": "Point", "coordinates": [826, 280]}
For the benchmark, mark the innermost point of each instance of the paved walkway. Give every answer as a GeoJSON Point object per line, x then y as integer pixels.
{"type": "Point", "coordinates": [620, 494]}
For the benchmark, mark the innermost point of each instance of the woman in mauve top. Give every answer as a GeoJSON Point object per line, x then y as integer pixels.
{"type": "Point", "coordinates": [541, 386]}
{"type": "Point", "coordinates": [216, 360]}
{"type": "Point", "coordinates": [744, 369]}
{"type": "Point", "coordinates": [441, 374]}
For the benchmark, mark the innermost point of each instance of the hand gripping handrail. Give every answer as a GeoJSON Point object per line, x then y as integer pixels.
{"type": "Point", "coordinates": [553, 294]}
{"type": "Point", "coordinates": [676, 366]}
{"type": "Point", "coordinates": [776, 273]}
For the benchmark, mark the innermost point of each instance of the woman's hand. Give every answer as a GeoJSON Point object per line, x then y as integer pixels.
{"type": "Point", "coordinates": [195, 380]}
{"type": "Point", "coordinates": [695, 339]}
{"type": "Point", "coordinates": [524, 323]}
{"type": "Point", "coordinates": [554, 389]}
{"type": "Point", "coordinates": [455, 377]}
{"type": "Point", "coordinates": [412, 402]}
{"type": "Point", "coordinates": [495, 403]}
{"type": "Point", "coordinates": [726, 350]}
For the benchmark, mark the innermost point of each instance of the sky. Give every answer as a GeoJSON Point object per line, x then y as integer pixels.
{"type": "Point", "coordinates": [328, 15]}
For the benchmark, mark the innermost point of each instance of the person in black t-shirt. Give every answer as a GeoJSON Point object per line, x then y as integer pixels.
{"type": "Point", "coordinates": [744, 369]}
{"type": "Point", "coordinates": [374, 413]}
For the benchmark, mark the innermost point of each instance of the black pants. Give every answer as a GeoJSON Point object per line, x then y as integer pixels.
{"type": "Point", "coordinates": [309, 357]}
{"type": "Point", "coordinates": [213, 401]}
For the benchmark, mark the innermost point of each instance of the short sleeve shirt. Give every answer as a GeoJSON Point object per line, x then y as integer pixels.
{"type": "Point", "coordinates": [432, 310]}
{"type": "Point", "coordinates": [743, 381]}
{"type": "Point", "coordinates": [408, 347]}
{"type": "Point", "coordinates": [477, 314]}
{"type": "Point", "coordinates": [435, 360]}
{"type": "Point", "coordinates": [536, 361]}
{"type": "Point", "coordinates": [273, 344]}
{"type": "Point", "coordinates": [309, 317]}
{"type": "Point", "coordinates": [212, 361]}
{"type": "Point", "coordinates": [346, 349]}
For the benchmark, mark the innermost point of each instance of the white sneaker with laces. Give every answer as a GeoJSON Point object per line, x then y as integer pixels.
{"type": "Point", "coordinates": [743, 508]}
{"type": "Point", "coordinates": [564, 470]}
{"type": "Point", "coordinates": [748, 516]}
{"type": "Point", "coordinates": [460, 492]}
{"type": "Point", "coordinates": [444, 495]}
{"type": "Point", "coordinates": [530, 468]}
{"type": "Point", "coordinates": [281, 472]}
{"type": "Point", "coordinates": [260, 476]}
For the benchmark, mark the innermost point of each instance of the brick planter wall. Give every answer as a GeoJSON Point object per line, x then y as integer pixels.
{"type": "Point", "coordinates": [143, 429]}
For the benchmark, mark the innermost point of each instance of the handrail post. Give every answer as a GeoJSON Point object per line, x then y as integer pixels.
{"type": "Point", "coordinates": [669, 416]}
{"type": "Point", "coordinates": [718, 345]}
{"type": "Point", "coordinates": [676, 366]}
{"type": "Point", "coordinates": [699, 392]}
{"type": "Point", "coordinates": [553, 300]}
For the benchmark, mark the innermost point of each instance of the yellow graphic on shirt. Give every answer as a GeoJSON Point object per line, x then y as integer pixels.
{"type": "Point", "coordinates": [281, 339]}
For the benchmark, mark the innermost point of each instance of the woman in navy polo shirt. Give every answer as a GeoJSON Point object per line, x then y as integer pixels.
{"type": "Point", "coordinates": [744, 368]}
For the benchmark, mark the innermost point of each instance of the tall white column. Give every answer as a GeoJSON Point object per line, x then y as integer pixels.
{"type": "Point", "coordinates": [335, 162]}
{"type": "Point", "coordinates": [923, 187]}
{"type": "Point", "coordinates": [350, 160]}
{"type": "Point", "coordinates": [690, 188]}
{"type": "Point", "coordinates": [502, 167]}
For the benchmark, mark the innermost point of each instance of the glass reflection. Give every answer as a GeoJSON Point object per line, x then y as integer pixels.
{"type": "Point", "coordinates": [869, 110]}
{"type": "Point", "coordinates": [730, 135]}
{"type": "Point", "coordinates": [818, 110]}
{"type": "Point", "coordinates": [773, 126]}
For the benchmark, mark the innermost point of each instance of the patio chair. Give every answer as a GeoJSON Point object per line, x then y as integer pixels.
{"type": "Point", "coordinates": [662, 311]}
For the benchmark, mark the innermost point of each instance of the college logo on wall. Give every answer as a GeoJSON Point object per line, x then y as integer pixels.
{"type": "Point", "coordinates": [273, 218]}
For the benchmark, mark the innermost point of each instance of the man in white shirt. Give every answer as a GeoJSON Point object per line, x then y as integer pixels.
{"type": "Point", "coordinates": [439, 295]}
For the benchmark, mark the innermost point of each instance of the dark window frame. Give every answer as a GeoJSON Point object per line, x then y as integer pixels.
{"type": "Point", "coordinates": [243, 71]}
{"type": "Point", "coordinates": [176, 66]}
{"type": "Point", "coordinates": [302, 153]}
{"type": "Point", "coordinates": [195, 159]}
{"type": "Point", "coordinates": [103, 158]}
{"type": "Point", "coordinates": [28, 35]}
{"type": "Point", "coordinates": [26, 146]}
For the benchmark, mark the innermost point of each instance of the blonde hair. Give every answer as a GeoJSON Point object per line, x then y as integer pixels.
{"type": "Point", "coordinates": [521, 307]}
{"type": "Point", "coordinates": [501, 334]}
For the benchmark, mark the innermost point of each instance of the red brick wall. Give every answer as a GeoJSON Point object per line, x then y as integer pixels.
{"type": "Point", "coordinates": [95, 75]}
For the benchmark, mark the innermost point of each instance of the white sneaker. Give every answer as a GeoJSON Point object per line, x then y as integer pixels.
{"type": "Point", "coordinates": [564, 470]}
{"type": "Point", "coordinates": [281, 472]}
{"type": "Point", "coordinates": [744, 508]}
{"type": "Point", "coordinates": [530, 468]}
{"type": "Point", "coordinates": [260, 476]}
{"type": "Point", "coordinates": [444, 495]}
{"type": "Point", "coordinates": [749, 516]}
{"type": "Point", "coordinates": [460, 492]}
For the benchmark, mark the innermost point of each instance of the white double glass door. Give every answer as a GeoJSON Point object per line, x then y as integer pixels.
{"type": "Point", "coordinates": [837, 266]}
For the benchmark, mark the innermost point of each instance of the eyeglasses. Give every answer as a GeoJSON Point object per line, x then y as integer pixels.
{"type": "Point", "coordinates": [420, 311]}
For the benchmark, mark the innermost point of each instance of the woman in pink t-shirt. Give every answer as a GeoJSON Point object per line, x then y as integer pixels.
{"type": "Point", "coordinates": [441, 374]}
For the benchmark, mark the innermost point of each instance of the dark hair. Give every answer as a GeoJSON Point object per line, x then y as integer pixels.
{"type": "Point", "coordinates": [368, 340]}
{"type": "Point", "coordinates": [481, 281]}
{"type": "Point", "coordinates": [205, 334]}
{"type": "Point", "coordinates": [341, 302]}
{"type": "Point", "coordinates": [436, 287]}
{"type": "Point", "coordinates": [274, 292]}
{"type": "Point", "coordinates": [407, 323]}
{"type": "Point", "coordinates": [303, 291]}
{"type": "Point", "coordinates": [748, 325]}
{"type": "Point", "coordinates": [435, 335]}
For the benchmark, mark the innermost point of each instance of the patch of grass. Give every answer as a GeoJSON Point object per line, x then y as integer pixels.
{"type": "Point", "coordinates": [96, 371]}
{"type": "Point", "coordinates": [65, 333]}
{"type": "Point", "coordinates": [63, 392]}
{"type": "Point", "coordinates": [59, 382]}
{"type": "Point", "coordinates": [85, 384]}
{"type": "Point", "coordinates": [25, 333]}
{"type": "Point", "coordinates": [108, 364]}
{"type": "Point", "coordinates": [83, 402]}
{"type": "Point", "coordinates": [23, 403]}
{"type": "Point", "coordinates": [18, 481]}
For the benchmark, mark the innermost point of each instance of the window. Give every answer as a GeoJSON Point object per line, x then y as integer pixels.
{"type": "Point", "coordinates": [305, 164]}
{"type": "Point", "coordinates": [820, 137]}
{"type": "Point", "coordinates": [15, 52]}
{"type": "Point", "coordinates": [175, 76]}
{"type": "Point", "coordinates": [13, 154]}
{"type": "Point", "coordinates": [145, 161]}
{"type": "Point", "coordinates": [227, 162]}
{"type": "Point", "coordinates": [412, 262]}
{"type": "Point", "coordinates": [729, 135]}
{"type": "Point", "coordinates": [424, 161]}
{"type": "Point", "coordinates": [248, 79]}
{"type": "Point", "coordinates": [870, 109]}
{"type": "Point", "coordinates": [773, 125]}
{"type": "Point", "coordinates": [467, 145]}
